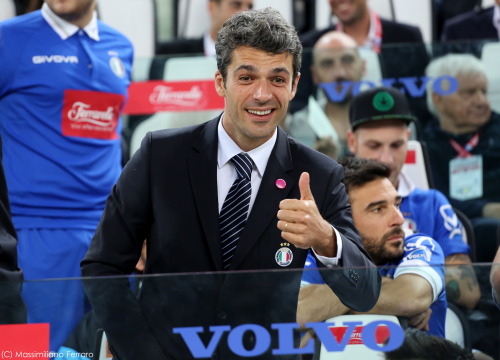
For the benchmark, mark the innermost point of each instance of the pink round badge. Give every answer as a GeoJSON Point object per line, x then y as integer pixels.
{"type": "Point", "coordinates": [280, 184]}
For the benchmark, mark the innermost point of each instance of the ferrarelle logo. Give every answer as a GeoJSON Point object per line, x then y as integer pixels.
{"type": "Point", "coordinates": [58, 59]}
{"type": "Point", "coordinates": [163, 95]}
{"type": "Point", "coordinates": [81, 112]}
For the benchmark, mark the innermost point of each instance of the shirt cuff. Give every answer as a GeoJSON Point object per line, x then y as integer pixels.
{"type": "Point", "coordinates": [334, 261]}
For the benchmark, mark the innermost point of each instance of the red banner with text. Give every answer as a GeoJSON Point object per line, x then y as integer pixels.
{"type": "Point", "coordinates": [149, 97]}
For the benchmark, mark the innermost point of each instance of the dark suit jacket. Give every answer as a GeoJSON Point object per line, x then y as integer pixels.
{"type": "Point", "coordinates": [167, 193]}
{"type": "Point", "coordinates": [474, 25]}
{"type": "Point", "coordinates": [12, 308]}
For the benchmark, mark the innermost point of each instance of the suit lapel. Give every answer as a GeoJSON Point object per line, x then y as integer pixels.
{"type": "Point", "coordinates": [203, 177]}
{"type": "Point", "coordinates": [266, 206]}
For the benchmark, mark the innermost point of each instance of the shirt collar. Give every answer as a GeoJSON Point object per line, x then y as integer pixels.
{"type": "Point", "coordinates": [405, 185]}
{"type": "Point", "coordinates": [65, 29]}
{"type": "Point", "coordinates": [228, 148]}
{"type": "Point", "coordinates": [496, 18]}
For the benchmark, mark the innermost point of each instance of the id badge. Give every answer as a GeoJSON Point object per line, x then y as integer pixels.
{"type": "Point", "coordinates": [466, 178]}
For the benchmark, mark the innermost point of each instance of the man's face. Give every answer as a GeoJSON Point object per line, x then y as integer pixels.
{"type": "Point", "coordinates": [468, 108]}
{"type": "Point", "coordinates": [71, 10]}
{"type": "Point", "coordinates": [222, 10]}
{"type": "Point", "coordinates": [385, 141]}
{"type": "Point", "coordinates": [376, 215]}
{"type": "Point", "coordinates": [257, 91]}
{"type": "Point", "coordinates": [348, 11]}
{"type": "Point", "coordinates": [337, 65]}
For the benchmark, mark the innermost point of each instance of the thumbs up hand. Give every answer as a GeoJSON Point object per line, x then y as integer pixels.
{"type": "Point", "coordinates": [302, 225]}
{"type": "Point", "coordinates": [305, 187]}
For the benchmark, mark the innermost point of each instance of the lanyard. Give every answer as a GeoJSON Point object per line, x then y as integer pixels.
{"type": "Point", "coordinates": [374, 38]}
{"type": "Point", "coordinates": [464, 151]}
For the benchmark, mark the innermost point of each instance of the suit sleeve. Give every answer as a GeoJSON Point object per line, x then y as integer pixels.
{"type": "Point", "coordinates": [114, 250]}
{"type": "Point", "coordinates": [357, 283]}
{"type": "Point", "coordinates": [12, 308]}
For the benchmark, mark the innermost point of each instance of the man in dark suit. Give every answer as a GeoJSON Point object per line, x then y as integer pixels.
{"type": "Point", "coordinates": [467, 33]}
{"type": "Point", "coordinates": [12, 308]}
{"type": "Point", "coordinates": [370, 31]}
{"type": "Point", "coordinates": [473, 25]}
{"type": "Point", "coordinates": [173, 193]}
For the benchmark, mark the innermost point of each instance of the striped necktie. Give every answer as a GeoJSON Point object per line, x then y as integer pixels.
{"type": "Point", "coordinates": [234, 212]}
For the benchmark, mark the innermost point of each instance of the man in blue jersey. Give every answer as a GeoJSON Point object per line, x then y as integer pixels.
{"type": "Point", "coordinates": [63, 84]}
{"type": "Point", "coordinates": [379, 120]}
{"type": "Point", "coordinates": [411, 267]}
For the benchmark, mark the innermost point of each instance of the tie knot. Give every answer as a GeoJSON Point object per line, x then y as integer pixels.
{"type": "Point", "coordinates": [244, 165]}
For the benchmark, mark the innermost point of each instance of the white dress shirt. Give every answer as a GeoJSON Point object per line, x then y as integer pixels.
{"type": "Point", "coordinates": [226, 174]}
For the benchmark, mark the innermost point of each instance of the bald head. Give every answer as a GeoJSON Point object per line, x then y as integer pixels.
{"type": "Point", "coordinates": [335, 40]}
{"type": "Point", "coordinates": [336, 58]}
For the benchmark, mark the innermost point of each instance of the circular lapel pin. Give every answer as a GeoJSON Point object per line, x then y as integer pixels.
{"type": "Point", "coordinates": [280, 184]}
{"type": "Point", "coordinates": [284, 256]}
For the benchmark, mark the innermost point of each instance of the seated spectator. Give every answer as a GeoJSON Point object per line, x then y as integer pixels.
{"type": "Point", "coordinates": [495, 278]}
{"type": "Point", "coordinates": [468, 32]}
{"type": "Point", "coordinates": [465, 142]}
{"type": "Point", "coordinates": [423, 346]}
{"type": "Point", "coordinates": [335, 59]}
{"type": "Point", "coordinates": [411, 267]}
{"type": "Point", "coordinates": [474, 25]}
{"type": "Point", "coordinates": [379, 120]}
{"type": "Point", "coordinates": [219, 11]}
{"type": "Point", "coordinates": [356, 19]}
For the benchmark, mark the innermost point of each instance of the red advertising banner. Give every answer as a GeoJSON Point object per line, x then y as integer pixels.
{"type": "Point", "coordinates": [149, 97]}
{"type": "Point", "coordinates": [24, 341]}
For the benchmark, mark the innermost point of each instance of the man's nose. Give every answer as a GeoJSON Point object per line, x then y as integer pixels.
{"type": "Point", "coordinates": [263, 91]}
{"type": "Point", "coordinates": [397, 217]}
{"type": "Point", "coordinates": [386, 157]}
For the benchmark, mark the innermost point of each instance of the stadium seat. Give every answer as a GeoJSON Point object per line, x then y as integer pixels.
{"type": "Point", "coordinates": [417, 165]}
{"type": "Point", "coordinates": [457, 326]}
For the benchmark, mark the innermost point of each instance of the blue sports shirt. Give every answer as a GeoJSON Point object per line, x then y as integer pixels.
{"type": "Point", "coordinates": [60, 101]}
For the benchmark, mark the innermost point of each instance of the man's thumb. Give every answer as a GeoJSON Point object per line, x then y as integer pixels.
{"type": "Point", "coordinates": [305, 189]}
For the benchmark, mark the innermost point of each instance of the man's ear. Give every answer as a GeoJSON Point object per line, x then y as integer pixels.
{"type": "Point", "coordinates": [219, 84]}
{"type": "Point", "coordinates": [295, 84]}
{"type": "Point", "coordinates": [436, 99]}
{"type": "Point", "coordinates": [351, 141]}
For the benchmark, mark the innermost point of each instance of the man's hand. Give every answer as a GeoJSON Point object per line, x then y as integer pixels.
{"type": "Point", "coordinates": [302, 225]}
{"type": "Point", "coordinates": [420, 321]}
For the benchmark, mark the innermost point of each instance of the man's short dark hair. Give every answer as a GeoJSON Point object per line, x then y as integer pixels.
{"type": "Point", "coordinates": [358, 172]}
{"type": "Point", "coordinates": [265, 30]}
{"type": "Point", "coordinates": [419, 345]}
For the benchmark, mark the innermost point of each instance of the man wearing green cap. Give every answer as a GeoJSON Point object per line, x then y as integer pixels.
{"type": "Point", "coordinates": [379, 120]}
